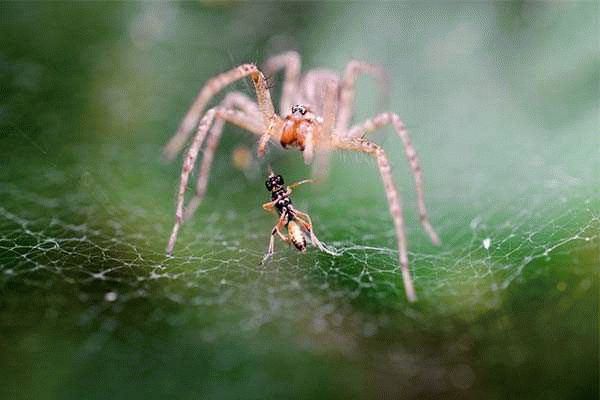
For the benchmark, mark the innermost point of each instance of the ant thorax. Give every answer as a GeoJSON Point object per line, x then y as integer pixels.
{"type": "Point", "coordinates": [297, 126]}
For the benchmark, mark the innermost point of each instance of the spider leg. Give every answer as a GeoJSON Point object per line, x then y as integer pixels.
{"type": "Point", "coordinates": [329, 109]}
{"type": "Point", "coordinates": [316, 140]}
{"type": "Point", "coordinates": [188, 164]}
{"type": "Point", "coordinates": [347, 89]}
{"type": "Point", "coordinates": [320, 168]}
{"type": "Point", "coordinates": [381, 120]}
{"type": "Point", "coordinates": [309, 146]}
{"type": "Point", "coordinates": [306, 222]}
{"type": "Point", "coordinates": [242, 102]}
{"type": "Point", "coordinates": [232, 116]}
{"type": "Point", "coordinates": [276, 230]}
{"type": "Point", "coordinates": [313, 87]}
{"type": "Point", "coordinates": [394, 202]}
{"type": "Point", "coordinates": [249, 108]}
{"type": "Point", "coordinates": [290, 62]}
{"type": "Point", "coordinates": [272, 121]}
{"type": "Point", "coordinates": [211, 88]}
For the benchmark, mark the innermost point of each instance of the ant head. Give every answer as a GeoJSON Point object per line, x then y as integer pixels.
{"type": "Point", "coordinates": [299, 110]}
{"type": "Point", "coordinates": [273, 181]}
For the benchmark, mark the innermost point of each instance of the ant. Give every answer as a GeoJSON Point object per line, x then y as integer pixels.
{"type": "Point", "coordinates": [296, 222]}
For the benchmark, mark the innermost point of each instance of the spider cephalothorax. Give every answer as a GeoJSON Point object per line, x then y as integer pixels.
{"type": "Point", "coordinates": [297, 126]}
{"type": "Point", "coordinates": [314, 130]}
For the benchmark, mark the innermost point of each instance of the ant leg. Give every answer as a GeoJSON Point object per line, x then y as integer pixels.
{"type": "Point", "coordinates": [271, 248]}
{"type": "Point", "coordinates": [269, 207]}
{"type": "Point", "coordinates": [296, 184]}
{"type": "Point", "coordinates": [307, 224]}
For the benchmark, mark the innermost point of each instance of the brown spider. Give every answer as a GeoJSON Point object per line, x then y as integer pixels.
{"type": "Point", "coordinates": [295, 221]}
{"type": "Point", "coordinates": [321, 107]}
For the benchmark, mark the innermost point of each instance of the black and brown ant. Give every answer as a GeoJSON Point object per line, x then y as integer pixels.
{"type": "Point", "coordinates": [297, 223]}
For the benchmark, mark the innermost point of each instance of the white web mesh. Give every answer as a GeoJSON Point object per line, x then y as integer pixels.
{"type": "Point", "coordinates": [120, 245]}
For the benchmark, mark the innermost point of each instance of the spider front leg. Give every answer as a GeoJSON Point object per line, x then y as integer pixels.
{"type": "Point", "coordinates": [247, 120]}
{"type": "Point", "coordinates": [272, 121]}
{"type": "Point", "coordinates": [188, 165]}
{"type": "Point", "coordinates": [211, 88]}
{"type": "Point", "coordinates": [394, 203]}
{"type": "Point", "coordinates": [290, 62]}
{"type": "Point", "coordinates": [273, 129]}
{"type": "Point", "coordinates": [347, 89]}
{"type": "Point", "coordinates": [380, 121]}
{"type": "Point", "coordinates": [232, 116]}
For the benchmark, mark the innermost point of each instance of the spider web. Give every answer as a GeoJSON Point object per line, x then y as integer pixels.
{"type": "Point", "coordinates": [507, 194]}
{"type": "Point", "coordinates": [91, 239]}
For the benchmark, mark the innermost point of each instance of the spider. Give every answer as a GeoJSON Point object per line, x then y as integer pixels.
{"type": "Point", "coordinates": [291, 218]}
{"type": "Point", "coordinates": [316, 109]}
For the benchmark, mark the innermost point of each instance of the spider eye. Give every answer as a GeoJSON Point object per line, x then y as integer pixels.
{"type": "Point", "coordinates": [298, 109]}
{"type": "Point", "coordinates": [279, 179]}
{"type": "Point", "coordinates": [268, 184]}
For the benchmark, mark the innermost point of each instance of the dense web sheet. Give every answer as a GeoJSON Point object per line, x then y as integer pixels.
{"type": "Point", "coordinates": [75, 239]}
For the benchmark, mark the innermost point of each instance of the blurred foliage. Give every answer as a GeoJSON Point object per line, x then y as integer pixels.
{"type": "Point", "coordinates": [502, 102]}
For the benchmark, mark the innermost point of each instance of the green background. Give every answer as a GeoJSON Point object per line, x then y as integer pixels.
{"type": "Point", "coordinates": [502, 101]}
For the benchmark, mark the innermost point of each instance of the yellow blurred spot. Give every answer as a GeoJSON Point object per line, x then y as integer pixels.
{"type": "Point", "coordinates": [242, 158]}
{"type": "Point", "coordinates": [561, 286]}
